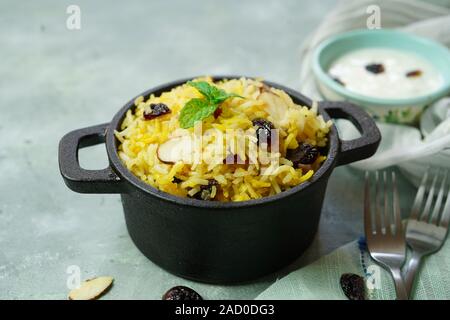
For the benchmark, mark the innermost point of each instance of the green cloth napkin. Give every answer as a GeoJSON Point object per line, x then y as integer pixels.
{"type": "Point", "coordinates": [320, 280]}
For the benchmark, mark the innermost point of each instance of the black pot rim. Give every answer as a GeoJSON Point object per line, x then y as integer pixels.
{"type": "Point", "coordinates": [127, 175]}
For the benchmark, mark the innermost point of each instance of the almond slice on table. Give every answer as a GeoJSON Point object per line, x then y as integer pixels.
{"type": "Point", "coordinates": [91, 289]}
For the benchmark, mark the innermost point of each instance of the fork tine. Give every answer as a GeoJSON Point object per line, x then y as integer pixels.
{"type": "Point", "coordinates": [396, 208]}
{"type": "Point", "coordinates": [419, 197]}
{"type": "Point", "coordinates": [387, 220]}
{"type": "Point", "coordinates": [377, 204]}
{"type": "Point", "coordinates": [427, 208]}
{"type": "Point", "coordinates": [367, 213]}
{"type": "Point", "coordinates": [437, 206]}
{"type": "Point", "coordinates": [445, 217]}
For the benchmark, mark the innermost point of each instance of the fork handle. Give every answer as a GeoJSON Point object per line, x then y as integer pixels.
{"type": "Point", "coordinates": [411, 272]}
{"type": "Point", "coordinates": [400, 287]}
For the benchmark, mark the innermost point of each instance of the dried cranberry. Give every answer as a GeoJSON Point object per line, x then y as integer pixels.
{"type": "Point", "coordinates": [414, 73]}
{"type": "Point", "coordinates": [375, 68]}
{"type": "Point", "coordinates": [303, 154]}
{"type": "Point", "coordinates": [156, 110]}
{"type": "Point", "coordinates": [263, 130]}
{"type": "Point", "coordinates": [353, 286]}
{"type": "Point", "coordinates": [181, 293]}
{"type": "Point", "coordinates": [206, 190]}
{"type": "Point", "coordinates": [217, 113]}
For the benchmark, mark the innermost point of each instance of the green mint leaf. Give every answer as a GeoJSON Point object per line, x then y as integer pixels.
{"type": "Point", "coordinates": [224, 96]}
{"type": "Point", "coordinates": [199, 109]}
{"type": "Point", "coordinates": [212, 93]}
{"type": "Point", "coordinates": [195, 110]}
{"type": "Point", "coordinates": [204, 88]}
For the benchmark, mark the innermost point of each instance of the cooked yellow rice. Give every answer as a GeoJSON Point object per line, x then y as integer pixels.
{"type": "Point", "coordinates": [140, 139]}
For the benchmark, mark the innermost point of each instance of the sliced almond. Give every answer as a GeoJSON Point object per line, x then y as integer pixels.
{"type": "Point", "coordinates": [91, 289]}
{"type": "Point", "coordinates": [276, 107]}
{"type": "Point", "coordinates": [176, 149]}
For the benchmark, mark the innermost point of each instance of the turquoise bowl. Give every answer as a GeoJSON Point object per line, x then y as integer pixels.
{"type": "Point", "coordinates": [404, 111]}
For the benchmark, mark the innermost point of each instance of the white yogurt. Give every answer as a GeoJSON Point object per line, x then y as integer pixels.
{"type": "Point", "coordinates": [393, 82]}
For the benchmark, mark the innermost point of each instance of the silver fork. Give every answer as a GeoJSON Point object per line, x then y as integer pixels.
{"type": "Point", "coordinates": [384, 231]}
{"type": "Point", "coordinates": [426, 234]}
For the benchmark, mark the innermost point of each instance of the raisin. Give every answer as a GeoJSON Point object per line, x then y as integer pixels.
{"type": "Point", "coordinates": [156, 110]}
{"type": "Point", "coordinates": [375, 68]}
{"type": "Point", "coordinates": [353, 286]}
{"type": "Point", "coordinates": [414, 74]}
{"type": "Point", "coordinates": [263, 130]}
{"type": "Point", "coordinates": [176, 180]}
{"type": "Point", "coordinates": [336, 79]}
{"type": "Point", "coordinates": [206, 191]}
{"type": "Point", "coordinates": [181, 293]}
{"type": "Point", "coordinates": [217, 113]}
{"type": "Point", "coordinates": [303, 154]}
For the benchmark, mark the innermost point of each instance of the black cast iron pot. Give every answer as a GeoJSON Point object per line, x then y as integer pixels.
{"type": "Point", "coordinates": [212, 241]}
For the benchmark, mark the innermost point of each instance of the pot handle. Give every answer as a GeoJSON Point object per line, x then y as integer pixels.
{"type": "Point", "coordinates": [362, 147]}
{"type": "Point", "coordinates": [79, 179]}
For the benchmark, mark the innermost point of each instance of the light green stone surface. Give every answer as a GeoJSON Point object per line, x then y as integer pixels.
{"type": "Point", "coordinates": [53, 80]}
